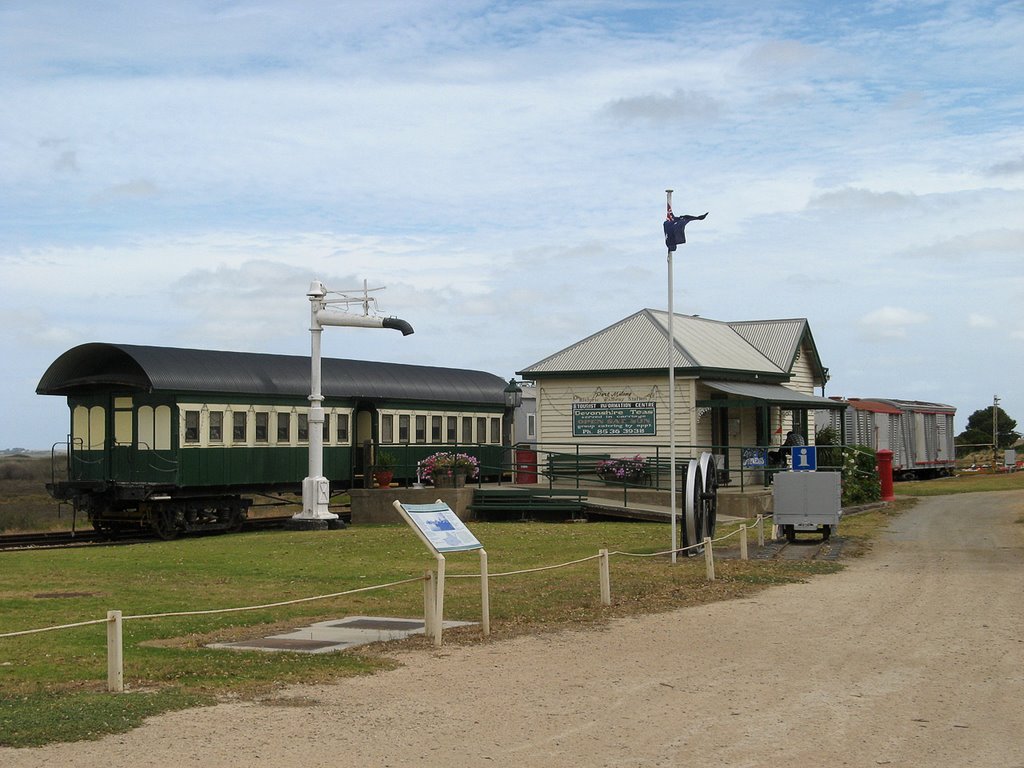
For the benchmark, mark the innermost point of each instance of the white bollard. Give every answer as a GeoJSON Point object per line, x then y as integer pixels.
{"type": "Point", "coordinates": [709, 558]}
{"type": "Point", "coordinates": [743, 542]}
{"type": "Point", "coordinates": [760, 530]}
{"type": "Point", "coordinates": [606, 580]}
{"type": "Point", "coordinates": [115, 653]}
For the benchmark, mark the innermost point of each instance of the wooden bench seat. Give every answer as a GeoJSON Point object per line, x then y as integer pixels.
{"type": "Point", "coordinates": [527, 502]}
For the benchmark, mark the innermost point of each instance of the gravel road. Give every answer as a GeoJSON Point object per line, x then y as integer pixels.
{"type": "Point", "coordinates": [913, 656]}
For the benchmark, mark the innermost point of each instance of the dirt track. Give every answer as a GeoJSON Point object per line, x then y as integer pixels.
{"type": "Point", "coordinates": [913, 656]}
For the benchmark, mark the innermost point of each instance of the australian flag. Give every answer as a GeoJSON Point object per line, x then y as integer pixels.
{"type": "Point", "coordinates": [675, 227]}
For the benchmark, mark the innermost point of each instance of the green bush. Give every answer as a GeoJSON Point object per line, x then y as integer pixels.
{"type": "Point", "coordinates": [860, 476]}
{"type": "Point", "coordinates": [828, 458]}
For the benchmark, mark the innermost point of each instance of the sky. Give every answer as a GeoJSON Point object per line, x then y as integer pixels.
{"type": "Point", "coordinates": [176, 174]}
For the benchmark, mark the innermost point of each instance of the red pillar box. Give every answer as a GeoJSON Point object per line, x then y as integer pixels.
{"type": "Point", "coordinates": [884, 459]}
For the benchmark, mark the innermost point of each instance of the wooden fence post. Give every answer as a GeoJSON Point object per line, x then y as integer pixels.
{"type": "Point", "coordinates": [115, 653]}
{"type": "Point", "coordinates": [606, 581]}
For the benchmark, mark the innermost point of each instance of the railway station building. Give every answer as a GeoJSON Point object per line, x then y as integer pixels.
{"type": "Point", "coordinates": [740, 388]}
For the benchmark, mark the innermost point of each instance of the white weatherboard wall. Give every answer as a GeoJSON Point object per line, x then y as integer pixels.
{"type": "Point", "coordinates": [555, 398]}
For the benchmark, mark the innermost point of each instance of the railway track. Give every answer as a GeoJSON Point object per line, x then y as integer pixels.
{"type": "Point", "coordinates": [68, 539]}
{"type": "Point", "coordinates": [801, 549]}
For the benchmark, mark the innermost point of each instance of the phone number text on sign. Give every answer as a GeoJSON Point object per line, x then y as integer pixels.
{"type": "Point", "coordinates": [611, 419]}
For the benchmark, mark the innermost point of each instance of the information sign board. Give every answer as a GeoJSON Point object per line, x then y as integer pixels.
{"type": "Point", "coordinates": [441, 528]}
{"type": "Point", "coordinates": [637, 417]}
{"type": "Point", "coordinates": [804, 458]}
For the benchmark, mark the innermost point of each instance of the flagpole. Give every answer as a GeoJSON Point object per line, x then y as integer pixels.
{"type": "Point", "coordinates": [671, 396]}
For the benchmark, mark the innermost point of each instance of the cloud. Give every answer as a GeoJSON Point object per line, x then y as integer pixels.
{"type": "Point", "coordinates": [1007, 168]}
{"type": "Point", "coordinates": [853, 197]}
{"type": "Point", "coordinates": [138, 189]}
{"type": "Point", "coordinates": [680, 105]}
{"type": "Point", "coordinates": [890, 323]}
{"type": "Point", "coordinates": [975, 320]}
{"type": "Point", "coordinates": [986, 244]}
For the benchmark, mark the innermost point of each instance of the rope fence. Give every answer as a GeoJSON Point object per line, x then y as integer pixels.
{"type": "Point", "coordinates": [432, 620]}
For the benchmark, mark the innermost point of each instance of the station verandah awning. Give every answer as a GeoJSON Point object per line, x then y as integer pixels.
{"type": "Point", "coordinates": [750, 395]}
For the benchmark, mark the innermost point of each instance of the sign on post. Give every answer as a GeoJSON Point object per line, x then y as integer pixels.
{"type": "Point", "coordinates": [442, 531]}
{"type": "Point", "coordinates": [804, 458]}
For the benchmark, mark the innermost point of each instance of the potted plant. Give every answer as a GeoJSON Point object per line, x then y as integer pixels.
{"type": "Point", "coordinates": [447, 469]}
{"type": "Point", "coordinates": [624, 470]}
{"type": "Point", "coordinates": [383, 468]}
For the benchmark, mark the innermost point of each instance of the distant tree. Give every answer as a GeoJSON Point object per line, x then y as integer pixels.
{"type": "Point", "coordinates": [979, 429]}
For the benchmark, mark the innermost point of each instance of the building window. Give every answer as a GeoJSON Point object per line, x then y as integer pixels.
{"type": "Point", "coordinates": [216, 426]}
{"type": "Point", "coordinates": [387, 428]}
{"type": "Point", "coordinates": [191, 426]}
{"type": "Point", "coordinates": [303, 427]}
{"type": "Point", "coordinates": [284, 428]}
{"type": "Point", "coordinates": [495, 430]}
{"type": "Point", "coordinates": [403, 428]}
{"type": "Point", "coordinates": [342, 428]}
{"type": "Point", "coordinates": [239, 431]}
{"type": "Point", "coordinates": [262, 427]}
{"type": "Point", "coordinates": [452, 429]}
{"type": "Point", "coordinates": [531, 425]}
{"type": "Point", "coordinates": [435, 429]}
{"type": "Point", "coordinates": [421, 429]}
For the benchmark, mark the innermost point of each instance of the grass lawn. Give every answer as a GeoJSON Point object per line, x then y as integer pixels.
{"type": "Point", "coordinates": [52, 685]}
{"type": "Point", "coordinates": [963, 483]}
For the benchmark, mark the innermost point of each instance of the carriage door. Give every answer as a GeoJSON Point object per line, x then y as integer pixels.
{"type": "Point", "coordinates": [362, 433]}
{"type": "Point", "coordinates": [122, 437]}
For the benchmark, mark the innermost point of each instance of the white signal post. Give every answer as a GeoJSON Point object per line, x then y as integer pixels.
{"type": "Point", "coordinates": [316, 489]}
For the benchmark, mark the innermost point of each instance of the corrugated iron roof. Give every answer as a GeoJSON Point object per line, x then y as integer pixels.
{"type": "Point", "coordinates": [154, 369]}
{"type": "Point", "coordinates": [776, 394]}
{"type": "Point", "coordinates": [778, 340]}
{"type": "Point", "coordinates": [639, 342]}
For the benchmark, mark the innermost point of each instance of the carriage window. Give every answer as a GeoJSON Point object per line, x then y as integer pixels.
{"type": "Point", "coordinates": [467, 429]}
{"type": "Point", "coordinates": [303, 427]}
{"type": "Point", "coordinates": [327, 428]}
{"type": "Point", "coordinates": [342, 427]}
{"type": "Point", "coordinates": [495, 430]}
{"type": "Point", "coordinates": [284, 427]}
{"type": "Point", "coordinates": [452, 431]}
{"type": "Point", "coordinates": [191, 426]}
{"type": "Point", "coordinates": [403, 429]}
{"type": "Point", "coordinates": [216, 426]}
{"type": "Point", "coordinates": [238, 427]}
{"type": "Point", "coordinates": [262, 427]}
{"type": "Point", "coordinates": [421, 429]}
{"type": "Point", "coordinates": [481, 430]}
{"type": "Point", "coordinates": [387, 428]}
{"type": "Point", "coordinates": [435, 429]}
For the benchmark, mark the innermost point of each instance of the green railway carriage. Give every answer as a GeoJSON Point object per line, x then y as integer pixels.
{"type": "Point", "coordinates": [181, 439]}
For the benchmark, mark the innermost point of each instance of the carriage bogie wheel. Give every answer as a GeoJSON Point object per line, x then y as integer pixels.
{"type": "Point", "coordinates": [163, 523]}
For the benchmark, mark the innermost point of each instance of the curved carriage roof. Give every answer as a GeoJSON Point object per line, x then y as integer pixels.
{"type": "Point", "coordinates": [100, 367]}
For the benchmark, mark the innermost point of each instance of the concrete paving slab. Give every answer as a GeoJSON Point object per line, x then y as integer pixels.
{"type": "Point", "coordinates": [337, 635]}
